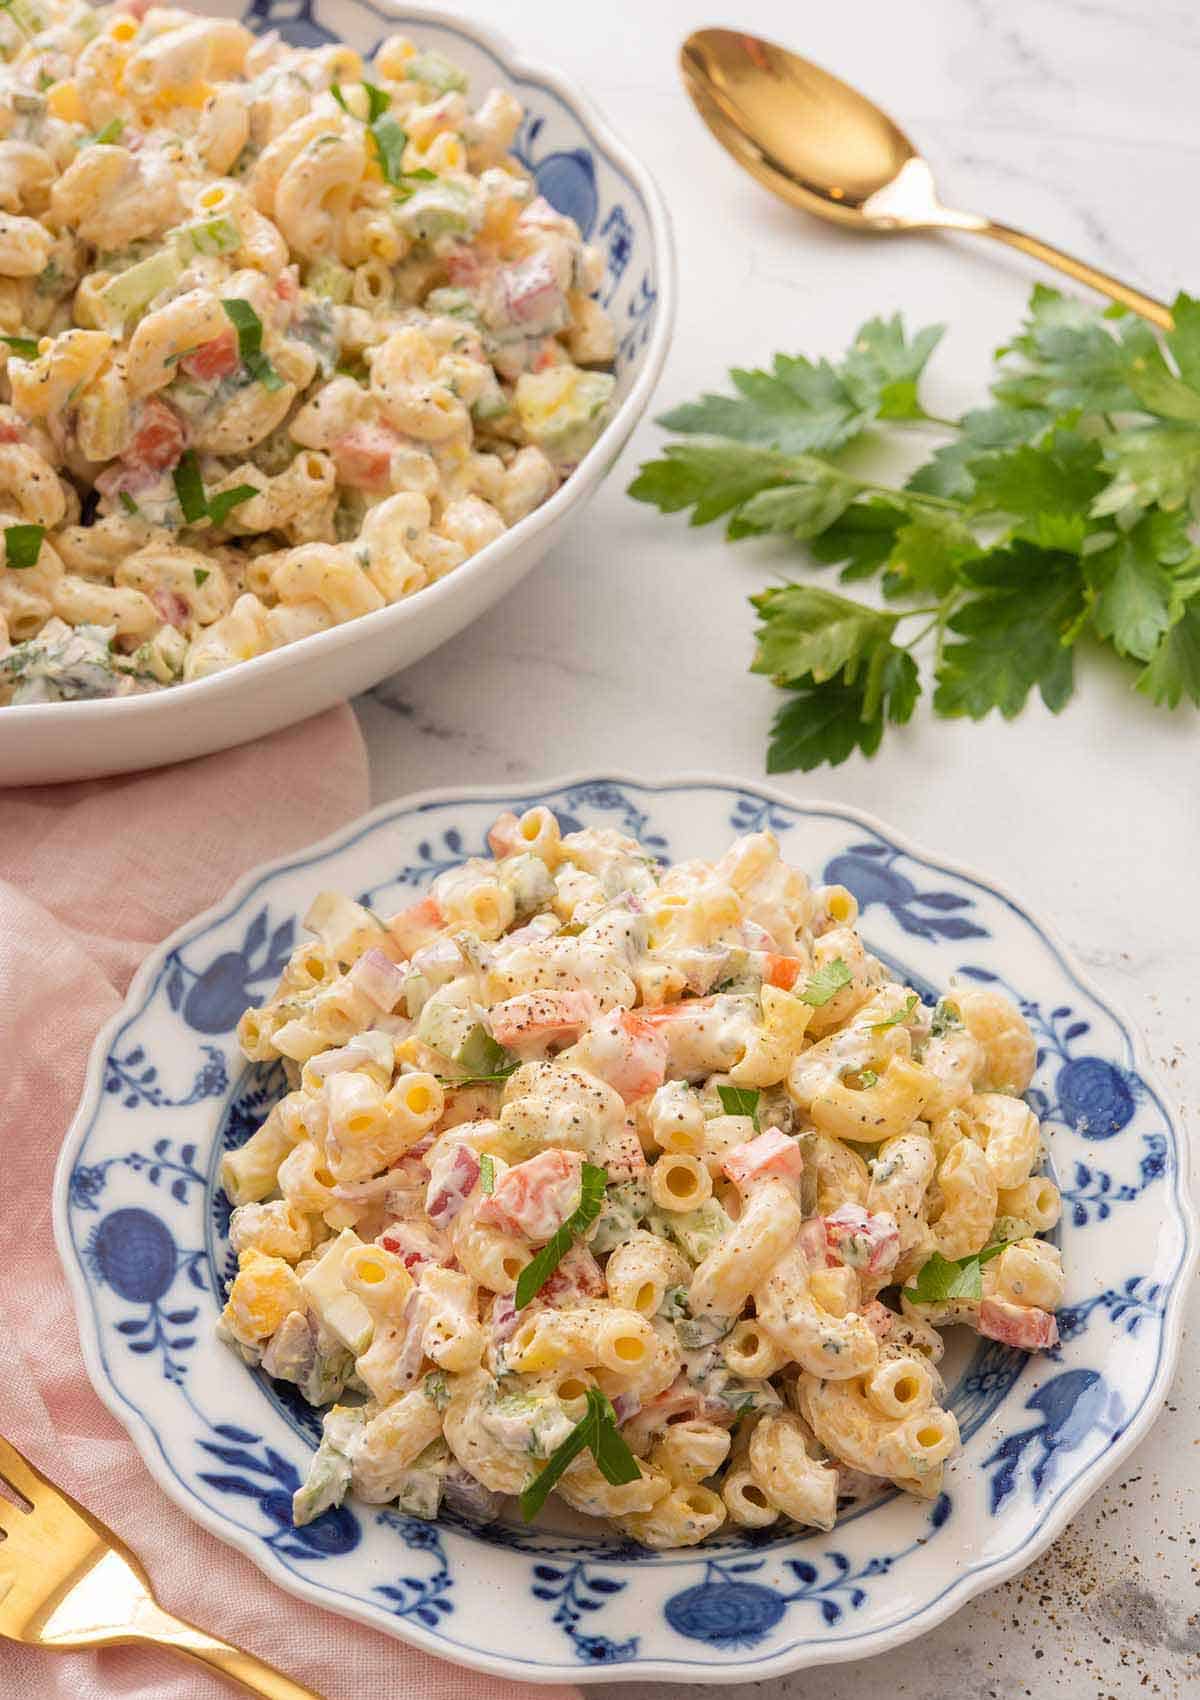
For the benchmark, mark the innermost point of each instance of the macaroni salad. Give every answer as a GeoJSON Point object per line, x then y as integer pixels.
{"type": "Point", "coordinates": [284, 340]}
{"type": "Point", "coordinates": [645, 1184]}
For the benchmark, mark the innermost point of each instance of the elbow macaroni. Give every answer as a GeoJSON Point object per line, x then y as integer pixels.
{"type": "Point", "coordinates": [222, 261]}
{"type": "Point", "coordinates": [455, 1066]}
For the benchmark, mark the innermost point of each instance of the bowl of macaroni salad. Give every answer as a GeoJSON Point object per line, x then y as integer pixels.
{"type": "Point", "coordinates": [565, 1201]}
{"type": "Point", "coordinates": [314, 333]}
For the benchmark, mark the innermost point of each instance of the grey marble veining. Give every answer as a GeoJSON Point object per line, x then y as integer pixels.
{"type": "Point", "coordinates": [629, 646]}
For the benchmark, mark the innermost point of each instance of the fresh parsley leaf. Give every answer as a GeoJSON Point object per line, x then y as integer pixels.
{"type": "Point", "coordinates": [1133, 583]}
{"type": "Point", "coordinates": [982, 430]}
{"type": "Point", "coordinates": [712, 475]}
{"type": "Point", "coordinates": [249, 328]}
{"type": "Point", "coordinates": [487, 1174]}
{"type": "Point", "coordinates": [940, 1279]}
{"type": "Point", "coordinates": [128, 503]}
{"type": "Point", "coordinates": [927, 556]}
{"type": "Point", "coordinates": [1047, 489]}
{"type": "Point", "coordinates": [390, 142]}
{"type": "Point", "coordinates": [1068, 356]}
{"type": "Point", "coordinates": [1174, 670]}
{"type": "Point", "coordinates": [740, 1101]}
{"type": "Point", "coordinates": [25, 346]}
{"type": "Point", "coordinates": [335, 90]}
{"type": "Point", "coordinates": [22, 545]}
{"type": "Point", "coordinates": [1150, 464]}
{"type": "Point", "coordinates": [826, 982]}
{"type": "Point", "coordinates": [377, 102]}
{"type": "Point", "coordinates": [867, 1078]}
{"type": "Point", "coordinates": [597, 1432]}
{"type": "Point", "coordinates": [910, 1003]}
{"type": "Point", "coordinates": [806, 630]}
{"type": "Point", "coordinates": [795, 407]}
{"type": "Point", "coordinates": [828, 722]}
{"type": "Point", "coordinates": [411, 181]}
{"type": "Point", "coordinates": [189, 488]}
{"type": "Point", "coordinates": [863, 537]}
{"type": "Point", "coordinates": [538, 1270]}
{"type": "Point", "coordinates": [200, 574]}
{"type": "Point", "coordinates": [1014, 634]}
{"type": "Point", "coordinates": [882, 367]}
{"type": "Point", "coordinates": [816, 496]}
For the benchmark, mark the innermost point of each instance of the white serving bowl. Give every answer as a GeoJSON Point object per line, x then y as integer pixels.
{"type": "Point", "coordinates": [582, 169]}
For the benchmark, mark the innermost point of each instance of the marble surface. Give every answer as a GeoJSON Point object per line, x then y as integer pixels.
{"type": "Point", "coordinates": [629, 646]}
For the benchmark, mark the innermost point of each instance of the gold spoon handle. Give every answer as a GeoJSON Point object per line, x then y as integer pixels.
{"type": "Point", "coordinates": [1157, 312]}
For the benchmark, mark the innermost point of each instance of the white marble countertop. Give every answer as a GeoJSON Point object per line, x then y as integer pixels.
{"type": "Point", "coordinates": [628, 647]}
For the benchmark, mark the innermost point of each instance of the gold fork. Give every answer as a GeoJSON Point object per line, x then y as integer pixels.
{"type": "Point", "coordinates": [67, 1582]}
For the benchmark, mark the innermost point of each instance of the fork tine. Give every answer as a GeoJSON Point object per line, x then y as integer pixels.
{"type": "Point", "coordinates": [19, 1473]}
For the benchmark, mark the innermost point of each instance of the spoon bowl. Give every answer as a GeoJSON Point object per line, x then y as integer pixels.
{"type": "Point", "coordinates": [825, 148]}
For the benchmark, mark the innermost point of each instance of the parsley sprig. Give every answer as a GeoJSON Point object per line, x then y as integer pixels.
{"type": "Point", "coordinates": [941, 1279]}
{"type": "Point", "coordinates": [1055, 515]}
{"type": "Point", "coordinates": [597, 1432]}
{"type": "Point", "coordinates": [740, 1101]}
{"type": "Point", "coordinates": [826, 982]}
{"type": "Point", "coordinates": [531, 1280]}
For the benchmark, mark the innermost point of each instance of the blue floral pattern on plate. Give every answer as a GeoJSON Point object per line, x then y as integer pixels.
{"type": "Point", "coordinates": [143, 1229]}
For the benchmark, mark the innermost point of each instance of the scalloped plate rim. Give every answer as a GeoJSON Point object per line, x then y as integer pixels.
{"type": "Point", "coordinates": [974, 1580]}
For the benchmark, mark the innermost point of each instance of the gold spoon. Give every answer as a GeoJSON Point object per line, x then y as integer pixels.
{"type": "Point", "coordinates": [824, 147]}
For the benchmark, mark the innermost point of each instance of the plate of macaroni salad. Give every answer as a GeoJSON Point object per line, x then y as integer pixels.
{"type": "Point", "coordinates": [564, 1200]}
{"type": "Point", "coordinates": [701, 1130]}
{"type": "Point", "coordinates": [287, 336]}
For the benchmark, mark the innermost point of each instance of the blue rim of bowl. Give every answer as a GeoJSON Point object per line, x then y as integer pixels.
{"type": "Point", "coordinates": [806, 1651]}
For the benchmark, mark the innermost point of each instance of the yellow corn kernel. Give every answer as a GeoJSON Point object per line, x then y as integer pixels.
{"type": "Point", "coordinates": [123, 29]}
{"type": "Point", "coordinates": [63, 102]}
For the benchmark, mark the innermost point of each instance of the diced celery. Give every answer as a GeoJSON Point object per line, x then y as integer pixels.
{"type": "Point", "coordinates": [440, 209]}
{"type": "Point", "coordinates": [557, 406]}
{"type": "Point", "coordinates": [436, 72]}
{"type": "Point", "coordinates": [419, 1493]}
{"type": "Point", "coordinates": [695, 1232]}
{"type": "Point", "coordinates": [624, 1207]}
{"type": "Point", "coordinates": [134, 289]}
{"type": "Point", "coordinates": [218, 235]}
{"type": "Point", "coordinates": [446, 1027]}
{"type": "Point", "coordinates": [331, 280]}
{"type": "Point", "coordinates": [452, 304]}
{"type": "Point", "coordinates": [329, 1473]}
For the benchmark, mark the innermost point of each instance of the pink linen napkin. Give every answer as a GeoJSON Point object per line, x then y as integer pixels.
{"type": "Point", "coordinates": [91, 877]}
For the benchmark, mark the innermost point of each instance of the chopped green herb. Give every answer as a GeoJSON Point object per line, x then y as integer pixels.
{"type": "Point", "coordinates": [112, 132]}
{"type": "Point", "coordinates": [248, 326]}
{"type": "Point", "coordinates": [487, 1174]}
{"type": "Point", "coordinates": [436, 1390]}
{"type": "Point", "coordinates": [22, 545]}
{"type": "Point", "coordinates": [945, 1016]}
{"type": "Point", "coordinates": [377, 102]}
{"type": "Point", "coordinates": [597, 1432]}
{"type": "Point", "coordinates": [408, 183]}
{"type": "Point", "coordinates": [910, 1003]}
{"type": "Point", "coordinates": [390, 142]}
{"type": "Point", "coordinates": [25, 346]}
{"type": "Point", "coordinates": [826, 982]}
{"type": "Point", "coordinates": [940, 1279]}
{"type": "Point", "coordinates": [128, 503]}
{"type": "Point", "coordinates": [740, 1101]}
{"type": "Point", "coordinates": [479, 1053]}
{"type": "Point", "coordinates": [867, 1078]}
{"type": "Point", "coordinates": [538, 1270]}
{"type": "Point", "coordinates": [222, 504]}
{"type": "Point", "coordinates": [194, 504]}
{"type": "Point", "coordinates": [200, 574]}
{"type": "Point", "coordinates": [189, 488]}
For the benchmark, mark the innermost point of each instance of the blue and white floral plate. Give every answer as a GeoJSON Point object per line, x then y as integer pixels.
{"type": "Point", "coordinates": [141, 1226]}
